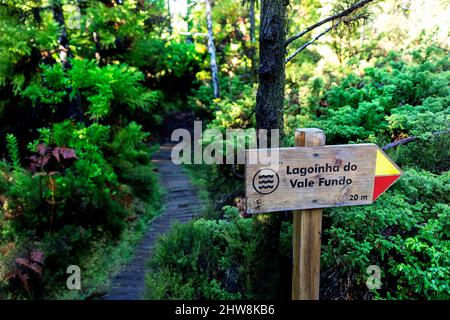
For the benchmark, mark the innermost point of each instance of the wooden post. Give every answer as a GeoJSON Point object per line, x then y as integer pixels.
{"type": "Point", "coordinates": [307, 227]}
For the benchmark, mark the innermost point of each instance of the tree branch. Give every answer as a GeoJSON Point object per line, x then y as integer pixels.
{"type": "Point", "coordinates": [410, 139]}
{"type": "Point", "coordinates": [304, 46]}
{"type": "Point", "coordinates": [399, 142]}
{"type": "Point", "coordinates": [339, 15]}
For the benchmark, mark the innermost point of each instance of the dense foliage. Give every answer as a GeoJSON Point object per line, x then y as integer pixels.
{"type": "Point", "coordinates": [76, 180]}
{"type": "Point", "coordinates": [371, 95]}
{"type": "Point", "coordinates": [85, 87]}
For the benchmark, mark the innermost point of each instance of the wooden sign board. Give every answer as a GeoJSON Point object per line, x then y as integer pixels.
{"type": "Point", "coordinates": [318, 177]}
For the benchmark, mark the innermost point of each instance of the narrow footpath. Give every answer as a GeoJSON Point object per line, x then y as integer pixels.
{"type": "Point", "coordinates": [180, 204]}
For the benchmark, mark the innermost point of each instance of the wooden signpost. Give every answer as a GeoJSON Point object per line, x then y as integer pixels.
{"type": "Point", "coordinates": [306, 179]}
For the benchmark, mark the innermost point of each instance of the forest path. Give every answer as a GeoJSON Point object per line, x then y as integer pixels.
{"type": "Point", "coordinates": [180, 204]}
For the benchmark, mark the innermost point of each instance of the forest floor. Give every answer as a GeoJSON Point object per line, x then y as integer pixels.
{"type": "Point", "coordinates": [180, 204]}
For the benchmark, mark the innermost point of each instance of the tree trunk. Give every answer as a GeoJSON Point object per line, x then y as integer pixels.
{"type": "Point", "coordinates": [63, 40]}
{"type": "Point", "coordinates": [98, 47]}
{"type": "Point", "coordinates": [270, 96]}
{"type": "Point", "coordinates": [264, 267]}
{"type": "Point", "coordinates": [187, 18]}
{"type": "Point", "coordinates": [212, 50]}
{"type": "Point", "coordinates": [169, 15]}
{"type": "Point", "coordinates": [252, 21]}
{"type": "Point", "coordinates": [253, 39]}
{"type": "Point", "coordinates": [74, 107]}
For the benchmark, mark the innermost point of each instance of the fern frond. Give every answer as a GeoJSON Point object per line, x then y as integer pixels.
{"type": "Point", "coordinates": [13, 150]}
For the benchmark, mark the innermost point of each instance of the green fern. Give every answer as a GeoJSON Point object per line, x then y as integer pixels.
{"type": "Point", "coordinates": [13, 149]}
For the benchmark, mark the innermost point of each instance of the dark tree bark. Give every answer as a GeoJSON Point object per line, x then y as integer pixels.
{"type": "Point", "coordinates": [264, 280]}
{"type": "Point", "coordinates": [264, 266]}
{"type": "Point", "coordinates": [272, 38]}
{"type": "Point", "coordinates": [253, 38]}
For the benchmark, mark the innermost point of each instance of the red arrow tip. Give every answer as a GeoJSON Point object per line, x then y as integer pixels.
{"type": "Point", "coordinates": [382, 183]}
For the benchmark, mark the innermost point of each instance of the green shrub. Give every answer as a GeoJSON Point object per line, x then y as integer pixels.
{"type": "Point", "coordinates": [431, 154]}
{"type": "Point", "coordinates": [78, 173]}
{"type": "Point", "coordinates": [73, 196]}
{"type": "Point", "coordinates": [108, 91]}
{"type": "Point", "coordinates": [207, 259]}
{"type": "Point", "coordinates": [202, 259]}
{"type": "Point", "coordinates": [389, 100]}
{"type": "Point", "coordinates": [142, 180]}
{"type": "Point", "coordinates": [405, 233]}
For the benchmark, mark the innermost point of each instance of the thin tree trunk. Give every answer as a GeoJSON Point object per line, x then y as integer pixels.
{"type": "Point", "coordinates": [212, 51]}
{"type": "Point", "coordinates": [363, 35]}
{"type": "Point", "coordinates": [169, 11]}
{"type": "Point", "coordinates": [98, 48]}
{"type": "Point", "coordinates": [75, 110]}
{"type": "Point", "coordinates": [187, 18]}
{"type": "Point", "coordinates": [264, 266]}
{"type": "Point", "coordinates": [63, 41]}
{"type": "Point", "coordinates": [252, 21]}
{"type": "Point", "coordinates": [253, 39]}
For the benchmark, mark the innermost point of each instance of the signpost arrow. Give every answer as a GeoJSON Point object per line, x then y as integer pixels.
{"type": "Point", "coordinates": [306, 179]}
{"type": "Point", "coordinates": [386, 173]}
{"type": "Point", "coordinates": [318, 177]}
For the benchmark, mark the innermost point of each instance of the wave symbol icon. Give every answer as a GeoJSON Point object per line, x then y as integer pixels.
{"type": "Point", "coordinates": [265, 181]}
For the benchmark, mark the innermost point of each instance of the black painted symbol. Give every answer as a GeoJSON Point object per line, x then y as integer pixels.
{"type": "Point", "coordinates": [266, 181]}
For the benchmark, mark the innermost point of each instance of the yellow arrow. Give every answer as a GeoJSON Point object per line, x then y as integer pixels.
{"type": "Point", "coordinates": [384, 166]}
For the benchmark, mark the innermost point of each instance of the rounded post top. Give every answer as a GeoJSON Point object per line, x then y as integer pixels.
{"type": "Point", "coordinates": [315, 130]}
